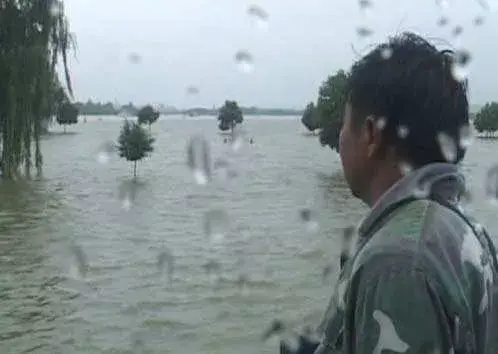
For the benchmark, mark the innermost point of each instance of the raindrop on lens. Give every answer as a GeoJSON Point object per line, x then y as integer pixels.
{"type": "Point", "coordinates": [80, 260]}
{"type": "Point", "coordinates": [465, 136]}
{"type": "Point", "coordinates": [443, 4]}
{"type": "Point", "coordinates": [199, 159]}
{"type": "Point", "coordinates": [56, 8]}
{"type": "Point", "coordinates": [422, 190]}
{"type": "Point", "coordinates": [448, 147]}
{"type": "Point", "coordinates": [213, 270]}
{"type": "Point", "coordinates": [460, 65]}
{"type": "Point", "coordinates": [403, 131]}
{"type": "Point", "coordinates": [105, 151]}
{"type": "Point", "coordinates": [478, 21]}
{"type": "Point", "coordinates": [491, 185]}
{"type": "Point", "coordinates": [192, 90]}
{"type": "Point", "coordinates": [216, 225]}
{"type": "Point", "coordinates": [457, 31]}
{"type": "Point", "coordinates": [259, 16]}
{"type": "Point", "coordinates": [244, 61]}
{"type": "Point", "coordinates": [364, 32]}
{"type": "Point", "coordinates": [381, 123]}
{"type": "Point", "coordinates": [134, 58]}
{"type": "Point", "coordinates": [365, 4]}
{"type": "Point", "coordinates": [386, 53]}
{"type": "Point", "coordinates": [166, 261]}
{"type": "Point", "coordinates": [236, 139]}
{"type": "Point", "coordinates": [308, 217]}
{"type": "Point", "coordinates": [442, 21]}
{"type": "Point", "coordinates": [405, 168]}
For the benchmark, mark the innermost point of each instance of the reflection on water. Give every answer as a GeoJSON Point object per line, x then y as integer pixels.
{"type": "Point", "coordinates": [146, 276]}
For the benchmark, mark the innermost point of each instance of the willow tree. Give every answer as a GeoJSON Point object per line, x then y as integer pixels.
{"type": "Point", "coordinates": [34, 36]}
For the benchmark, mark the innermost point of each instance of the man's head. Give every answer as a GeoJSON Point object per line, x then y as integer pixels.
{"type": "Point", "coordinates": [405, 108]}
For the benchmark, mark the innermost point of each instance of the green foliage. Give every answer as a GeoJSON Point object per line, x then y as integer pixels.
{"type": "Point", "coordinates": [67, 114]}
{"type": "Point", "coordinates": [34, 35]}
{"type": "Point", "coordinates": [310, 118]}
{"type": "Point", "coordinates": [332, 99]}
{"type": "Point", "coordinates": [147, 115]}
{"type": "Point", "coordinates": [487, 118]}
{"type": "Point", "coordinates": [134, 143]}
{"type": "Point", "coordinates": [229, 116]}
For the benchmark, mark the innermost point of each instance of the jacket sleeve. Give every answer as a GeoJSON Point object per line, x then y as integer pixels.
{"type": "Point", "coordinates": [395, 309]}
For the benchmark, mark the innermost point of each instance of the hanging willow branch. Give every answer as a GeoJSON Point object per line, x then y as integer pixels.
{"type": "Point", "coordinates": [34, 35]}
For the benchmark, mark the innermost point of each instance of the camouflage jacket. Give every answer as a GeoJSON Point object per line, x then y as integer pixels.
{"type": "Point", "coordinates": [422, 279]}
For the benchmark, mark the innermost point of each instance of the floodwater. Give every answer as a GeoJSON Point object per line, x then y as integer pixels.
{"type": "Point", "coordinates": [109, 296]}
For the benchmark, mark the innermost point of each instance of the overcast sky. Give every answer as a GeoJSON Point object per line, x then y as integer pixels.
{"type": "Point", "coordinates": [193, 42]}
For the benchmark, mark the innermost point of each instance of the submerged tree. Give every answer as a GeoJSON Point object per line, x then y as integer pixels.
{"type": "Point", "coordinates": [134, 143]}
{"type": "Point", "coordinates": [34, 34]}
{"type": "Point", "coordinates": [487, 119]}
{"type": "Point", "coordinates": [67, 114]}
{"type": "Point", "coordinates": [147, 115]}
{"type": "Point", "coordinates": [332, 98]}
{"type": "Point", "coordinates": [310, 118]}
{"type": "Point", "coordinates": [229, 116]}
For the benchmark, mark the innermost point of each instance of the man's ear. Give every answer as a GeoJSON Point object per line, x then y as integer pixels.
{"type": "Point", "coordinates": [372, 135]}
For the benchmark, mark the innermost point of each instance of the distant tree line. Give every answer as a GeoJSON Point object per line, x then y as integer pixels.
{"type": "Point", "coordinates": [107, 108]}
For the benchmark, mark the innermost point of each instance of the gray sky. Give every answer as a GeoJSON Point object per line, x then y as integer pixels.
{"type": "Point", "coordinates": [193, 42]}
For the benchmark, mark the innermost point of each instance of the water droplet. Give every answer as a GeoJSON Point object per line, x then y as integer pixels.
{"type": "Point", "coordinates": [327, 271]}
{"type": "Point", "coordinates": [224, 170]}
{"type": "Point", "coordinates": [347, 239]}
{"type": "Point", "coordinates": [478, 21]}
{"type": "Point", "coordinates": [461, 60]}
{"type": "Point", "coordinates": [448, 147]}
{"type": "Point", "coordinates": [443, 4]}
{"type": "Point", "coordinates": [365, 4]}
{"type": "Point", "coordinates": [80, 260]}
{"type": "Point", "coordinates": [457, 31]}
{"type": "Point", "coordinates": [166, 261]}
{"type": "Point", "coordinates": [127, 193]}
{"type": "Point", "coordinates": [465, 136]}
{"type": "Point", "coordinates": [105, 151]}
{"type": "Point", "coordinates": [134, 58]}
{"type": "Point", "coordinates": [213, 270]}
{"type": "Point", "coordinates": [216, 223]}
{"type": "Point", "coordinates": [137, 343]}
{"type": "Point", "coordinates": [199, 159]}
{"type": "Point", "coordinates": [364, 31]}
{"type": "Point", "coordinates": [244, 61]}
{"type": "Point", "coordinates": [405, 168]}
{"type": "Point", "coordinates": [489, 5]}
{"type": "Point", "coordinates": [237, 138]}
{"type": "Point", "coordinates": [491, 185]}
{"type": "Point", "coordinates": [422, 190]}
{"type": "Point", "coordinates": [442, 21]}
{"type": "Point", "coordinates": [56, 8]}
{"type": "Point", "coordinates": [386, 53]}
{"type": "Point", "coordinates": [192, 90]}
{"type": "Point", "coordinates": [276, 328]}
{"type": "Point", "coordinates": [403, 131]}
{"type": "Point", "coordinates": [258, 16]}
{"type": "Point", "coordinates": [381, 123]}
{"type": "Point", "coordinates": [308, 217]}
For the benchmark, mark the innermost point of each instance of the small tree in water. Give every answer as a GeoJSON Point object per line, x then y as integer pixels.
{"type": "Point", "coordinates": [230, 115]}
{"type": "Point", "coordinates": [147, 115]}
{"type": "Point", "coordinates": [310, 118]}
{"type": "Point", "coordinates": [487, 119]}
{"type": "Point", "coordinates": [67, 114]}
{"type": "Point", "coordinates": [134, 143]}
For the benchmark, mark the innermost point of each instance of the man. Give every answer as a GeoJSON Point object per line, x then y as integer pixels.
{"type": "Point", "coordinates": [423, 277]}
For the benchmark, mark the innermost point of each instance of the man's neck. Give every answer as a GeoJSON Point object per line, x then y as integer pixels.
{"type": "Point", "coordinates": [386, 176]}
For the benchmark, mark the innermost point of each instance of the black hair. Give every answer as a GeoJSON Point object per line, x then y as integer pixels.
{"type": "Point", "coordinates": [412, 85]}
